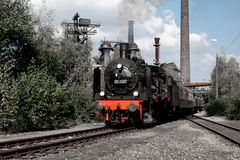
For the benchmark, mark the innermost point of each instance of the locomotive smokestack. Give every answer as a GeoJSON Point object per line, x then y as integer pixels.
{"type": "Point", "coordinates": [157, 44]}
{"type": "Point", "coordinates": [185, 55]}
{"type": "Point", "coordinates": [130, 32]}
{"type": "Point", "coordinates": [105, 49]}
{"type": "Point", "coordinates": [133, 49]}
{"type": "Point", "coordinates": [123, 50]}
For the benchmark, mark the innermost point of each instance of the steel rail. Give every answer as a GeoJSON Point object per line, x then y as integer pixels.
{"type": "Point", "coordinates": [231, 127]}
{"type": "Point", "coordinates": [19, 152]}
{"type": "Point", "coordinates": [46, 137]}
{"type": "Point", "coordinates": [235, 141]}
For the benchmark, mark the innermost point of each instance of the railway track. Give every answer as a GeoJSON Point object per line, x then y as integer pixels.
{"type": "Point", "coordinates": [229, 132]}
{"type": "Point", "coordinates": [28, 147]}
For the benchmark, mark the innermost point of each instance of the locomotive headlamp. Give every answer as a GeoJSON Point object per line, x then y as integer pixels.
{"type": "Point", "coordinates": [119, 66]}
{"type": "Point", "coordinates": [102, 93]}
{"type": "Point", "coordinates": [99, 106]}
{"type": "Point", "coordinates": [135, 93]}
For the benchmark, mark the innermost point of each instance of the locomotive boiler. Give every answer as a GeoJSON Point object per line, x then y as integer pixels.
{"type": "Point", "coordinates": [129, 91]}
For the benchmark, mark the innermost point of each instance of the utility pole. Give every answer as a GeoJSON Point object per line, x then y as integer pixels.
{"type": "Point", "coordinates": [216, 76]}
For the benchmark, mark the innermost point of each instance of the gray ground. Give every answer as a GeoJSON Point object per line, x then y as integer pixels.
{"type": "Point", "coordinates": [175, 140]}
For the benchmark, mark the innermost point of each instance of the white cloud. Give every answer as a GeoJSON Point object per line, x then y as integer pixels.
{"type": "Point", "coordinates": [103, 11]}
{"type": "Point", "coordinates": [114, 15]}
{"type": "Point", "coordinates": [89, 4]}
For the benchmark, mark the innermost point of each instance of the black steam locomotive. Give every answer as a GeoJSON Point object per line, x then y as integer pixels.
{"type": "Point", "coordinates": [129, 91]}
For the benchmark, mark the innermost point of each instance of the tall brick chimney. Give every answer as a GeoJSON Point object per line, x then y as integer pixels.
{"type": "Point", "coordinates": [130, 32]}
{"type": "Point", "coordinates": [185, 55]}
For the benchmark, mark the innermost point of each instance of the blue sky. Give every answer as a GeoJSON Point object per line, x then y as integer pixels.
{"type": "Point", "coordinates": [209, 19]}
{"type": "Point", "coordinates": [218, 18]}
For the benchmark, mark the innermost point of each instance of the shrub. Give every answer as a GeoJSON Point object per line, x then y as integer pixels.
{"type": "Point", "coordinates": [81, 99]}
{"type": "Point", "coordinates": [34, 102]}
{"type": "Point", "coordinates": [233, 111]}
{"type": "Point", "coordinates": [216, 107]}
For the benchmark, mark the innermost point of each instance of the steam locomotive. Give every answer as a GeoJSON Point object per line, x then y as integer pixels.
{"type": "Point", "coordinates": [129, 91]}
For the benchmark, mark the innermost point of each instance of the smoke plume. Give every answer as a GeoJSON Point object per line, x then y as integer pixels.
{"type": "Point", "coordinates": [136, 10]}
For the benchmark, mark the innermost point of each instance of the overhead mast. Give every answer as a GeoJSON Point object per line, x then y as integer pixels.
{"type": "Point", "coordinates": [80, 29]}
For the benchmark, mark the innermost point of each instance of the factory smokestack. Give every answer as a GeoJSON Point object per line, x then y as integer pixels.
{"type": "Point", "coordinates": [130, 32]}
{"type": "Point", "coordinates": [185, 55]}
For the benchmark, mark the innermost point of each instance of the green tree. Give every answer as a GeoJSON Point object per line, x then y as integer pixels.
{"type": "Point", "coordinates": [76, 75]}
{"type": "Point", "coordinates": [229, 84]}
{"type": "Point", "coordinates": [48, 45]}
{"type": "Point", "coordinates": [17, 33]}
{"type": "Point", "coordinates": [45, 79]}
{"type": "Point", "coordinates": [228, 77]}
{"type": "Point", "coordinates": [69, 62]}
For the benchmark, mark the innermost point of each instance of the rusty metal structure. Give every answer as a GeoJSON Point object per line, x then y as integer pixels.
{"type": "Point", "coordinates": [201, 89]}
{"type": "Point", "coordinates": [157, 46]}
{"type": "Point", "coordinates": [80, 29]}
{"type": "Point", "coordinates": [198, 84]}
{"type": "Point", "coordinates": [185, 55]}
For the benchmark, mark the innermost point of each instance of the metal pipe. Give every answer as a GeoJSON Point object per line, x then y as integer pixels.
{"type": "Point", "coordinates": [157, 44]}
{"type": "Point", "coordinates": [216, 76]}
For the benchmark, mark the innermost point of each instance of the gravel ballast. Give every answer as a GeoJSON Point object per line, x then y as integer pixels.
{"type": "Point", "coordinates": [174, 140]}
